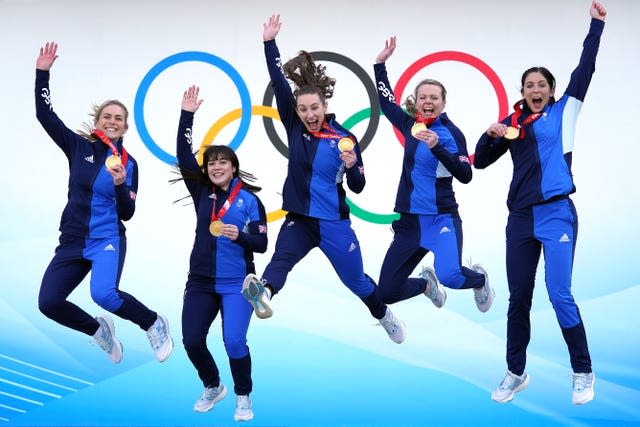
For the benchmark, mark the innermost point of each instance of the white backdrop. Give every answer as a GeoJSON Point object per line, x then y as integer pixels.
{"type": "Point", "coordinates": [106, 49]}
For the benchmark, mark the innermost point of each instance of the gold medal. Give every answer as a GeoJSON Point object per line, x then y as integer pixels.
{"type": "Point", "coordinates": [112, 161]}
{"type": "Point", "coordinates": [215, 228]}
{"type": "Point", "coordinates": [345, 144]}
{"type": "Point", "coordinates": [417, 127]}
{"type": "Point", "coordinates": [512, 133]}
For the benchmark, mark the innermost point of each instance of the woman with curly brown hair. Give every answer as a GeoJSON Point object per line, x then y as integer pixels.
{"type": "Point", "coordinates": [321, 153]}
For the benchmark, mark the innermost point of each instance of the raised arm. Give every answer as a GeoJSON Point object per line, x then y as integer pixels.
{"type": "Point", "coordinates": [581, 76]}
{"type": "Point", "coordinates": [392, 111]}
{"type": "Point", "coordinates": [281, 88]}
{"type": "Point", "coordinates": [55, 128]}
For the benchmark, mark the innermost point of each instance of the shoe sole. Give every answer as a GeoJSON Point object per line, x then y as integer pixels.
{"type": "Point", "coordinates": [510, 397]}
{"type": "Point", "coordinates": [166, 355]}
{"type": "Point", "coordinates": [253, 291]}
{"type": "Point", "coordinates": [218, 398]}
{"type": "Point", "coordinates": [115, 340]}
{"type": "Point", "coordinates": [243, 418]}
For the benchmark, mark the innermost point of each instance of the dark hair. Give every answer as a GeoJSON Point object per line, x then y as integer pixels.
{"type": "Point", "coordinates": [217, 152]}
{"type": "Point", "coordinates": [547, 76]}
{"type": "Point", "coordinates": [308, 77]}
{"type": "Point", "coordinates": [410, 102]}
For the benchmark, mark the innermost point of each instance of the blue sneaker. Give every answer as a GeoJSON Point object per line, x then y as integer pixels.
{"type": "Point", "coordinates": [583, 388]}
{"type": "Point", "coordinates": [105, 336]}
{"type": "Point", "coordinates": [510, 385]}
{"type": "Point", "coordinates": [209, 397]}
{"type": "Point", "coordinates": [434, 291]}
{"type": "Point", "coordinates": [259, 297]}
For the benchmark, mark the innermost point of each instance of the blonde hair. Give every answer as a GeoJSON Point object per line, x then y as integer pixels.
{"type": "Point", "coordinates": [96, 110]}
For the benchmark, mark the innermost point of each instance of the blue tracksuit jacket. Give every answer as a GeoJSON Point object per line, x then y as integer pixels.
{"type": "Point", "coordinates": [313, 186]}
{"type": "Point", "coordinates": [219, 258]}
{"type": "Point", "coordinates": [426, 182]}
{"type": "Point", "coordinates": [542, 160]}
{"type": "Point", "coordinates": [95, 207]}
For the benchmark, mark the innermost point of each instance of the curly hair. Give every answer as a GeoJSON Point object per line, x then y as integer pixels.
{"type": "Point", "coordinates": [410, 102]}
{"type": "Point", "coordinates": [308, 77]}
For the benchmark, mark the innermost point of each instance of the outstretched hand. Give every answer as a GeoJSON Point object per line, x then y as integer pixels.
{"type": "Point", "coordinates": [597, 10]}
{"type": "Point", "coordinates": [271, 28]}
{"type": "Point", "coordinates": [389, 47]}
{"type": "Point", "coordinates": [190, 101]}
{"type": "Point", "coordinates": [47, 56]}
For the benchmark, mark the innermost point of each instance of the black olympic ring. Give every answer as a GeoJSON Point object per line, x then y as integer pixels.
{"type": "Point", "coordinates": [356, 69]}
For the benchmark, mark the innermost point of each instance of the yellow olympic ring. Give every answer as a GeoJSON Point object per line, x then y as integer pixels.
{"type": "Point", "coordinates": [214, 130]}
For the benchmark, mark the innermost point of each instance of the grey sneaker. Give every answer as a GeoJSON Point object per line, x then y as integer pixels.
{"type": "Point", "coordinates": [243, 408]}
{"type": "Point", "coordinates": [583, 388]}
{"type": "Point", "coordinates": [510, 385]}
{"type": "Point", "coordinates": [435, 291]}
{"type": "Point", "coordinates": [394, 327]}
{"type": "Point", "coordinates": [106, 338]}
{"type": "Point", "coordinates": [485, 295]}
{"type": "Point", "coordinates": [253, 290]}
{"type": "Point", "coordinates": [209, 397]}
{"type": "Point", "coordinates": [160, 340]}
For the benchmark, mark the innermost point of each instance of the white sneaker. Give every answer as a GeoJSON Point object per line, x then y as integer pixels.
{"type": "Point", "coordinates": [485, 295]}
{"type": "Point", "coordinates": [434, 291]}
{"type": "Point", "coordinates": [253, 290]}
{"type": "Point", "coordinates": [209, 397]}
{"type": "Point", "coordinates": [583, 388]}
{"type": "Point", "coordinates": [510, 385]}
{"type": "Point", "coordinates": [243, 408]}
{"type": "Point", "coordinates": [105, 336]}
{"type": "Point", "coordinates": [160, 340]}
{"type": "Point", "coordinates": [395, 327]}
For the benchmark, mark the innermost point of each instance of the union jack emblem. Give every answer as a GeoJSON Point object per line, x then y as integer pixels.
{"type": "Point", "coordinates": [463, 159]}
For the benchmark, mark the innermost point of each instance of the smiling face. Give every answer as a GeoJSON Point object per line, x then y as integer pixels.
{"type": "Point", "coordinates": [112, 120]}
{"type": "Point", "coordinates": [537, 89]}
{"type": "Point", "coordinates": [311, 109]}
{"type": "Point", "coordinates": [221, 172]}
{"type": "Point", "coordinates": [430, 100]}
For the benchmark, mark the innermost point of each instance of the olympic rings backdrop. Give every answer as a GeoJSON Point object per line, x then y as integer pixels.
{"type": "Point", "coordinates": [321, 360]}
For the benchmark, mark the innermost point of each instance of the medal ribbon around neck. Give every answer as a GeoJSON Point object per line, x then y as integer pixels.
{"type": "Point", "coordinates": [102, 137]}
{"type": "Point", "coordinates": [426, 120]}
{"type": "Point", "coordinates": [227, 204]}
{"type": "Point", "coordinates": [518, 112]}
{"type": "Point", "coordinates": [331, 134]}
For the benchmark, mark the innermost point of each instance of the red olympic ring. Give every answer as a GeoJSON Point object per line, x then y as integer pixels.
{"type": "Point", "coordinates": [450, 55]}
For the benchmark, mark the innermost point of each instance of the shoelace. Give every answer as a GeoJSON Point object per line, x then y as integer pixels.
{"type": "Point", "coordinates": [509, 381]}
{"type": "Point", "coordinates": [209, 393]}
{"type": "Point", "coordinates": [104, 340]}
{"type": "Point", "coordinates": [579, 381]}
{"type": "Point", "coordinates": [157, 335]}
{"type": "Point", "coordinates": [389, 324]}
{"type": "Point", "coordinates": [243, 402]}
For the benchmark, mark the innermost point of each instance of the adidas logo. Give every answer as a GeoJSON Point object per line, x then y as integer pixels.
{"type": "Point", "coordinates": [89, 159]}
{"type": "Point", "coordinates": [352, 247]}
{"type": "Point", "coordinates": [564, 238]}
{"type": "Point", "coordinates": [290, 223]}
{"type": "Point", "coordinates": [444, 230]}
{"type": "Point", "coordinates": [109, 247]}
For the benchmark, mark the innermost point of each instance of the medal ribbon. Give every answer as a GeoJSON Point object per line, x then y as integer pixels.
{"type": "Point", "coordinates": [426, 120]}
{"type": "Point", "coordinates": [227, 204]}
{"type": "Point", "coordinates": [102, 137]}
{"type": "Point", "coordinates": [332, 134]}
{"type": "Point", "coordinates": [518, 112]}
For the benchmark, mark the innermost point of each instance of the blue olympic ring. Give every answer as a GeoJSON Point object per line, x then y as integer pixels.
{"type": "Point", "coordinates": [141, 94]}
